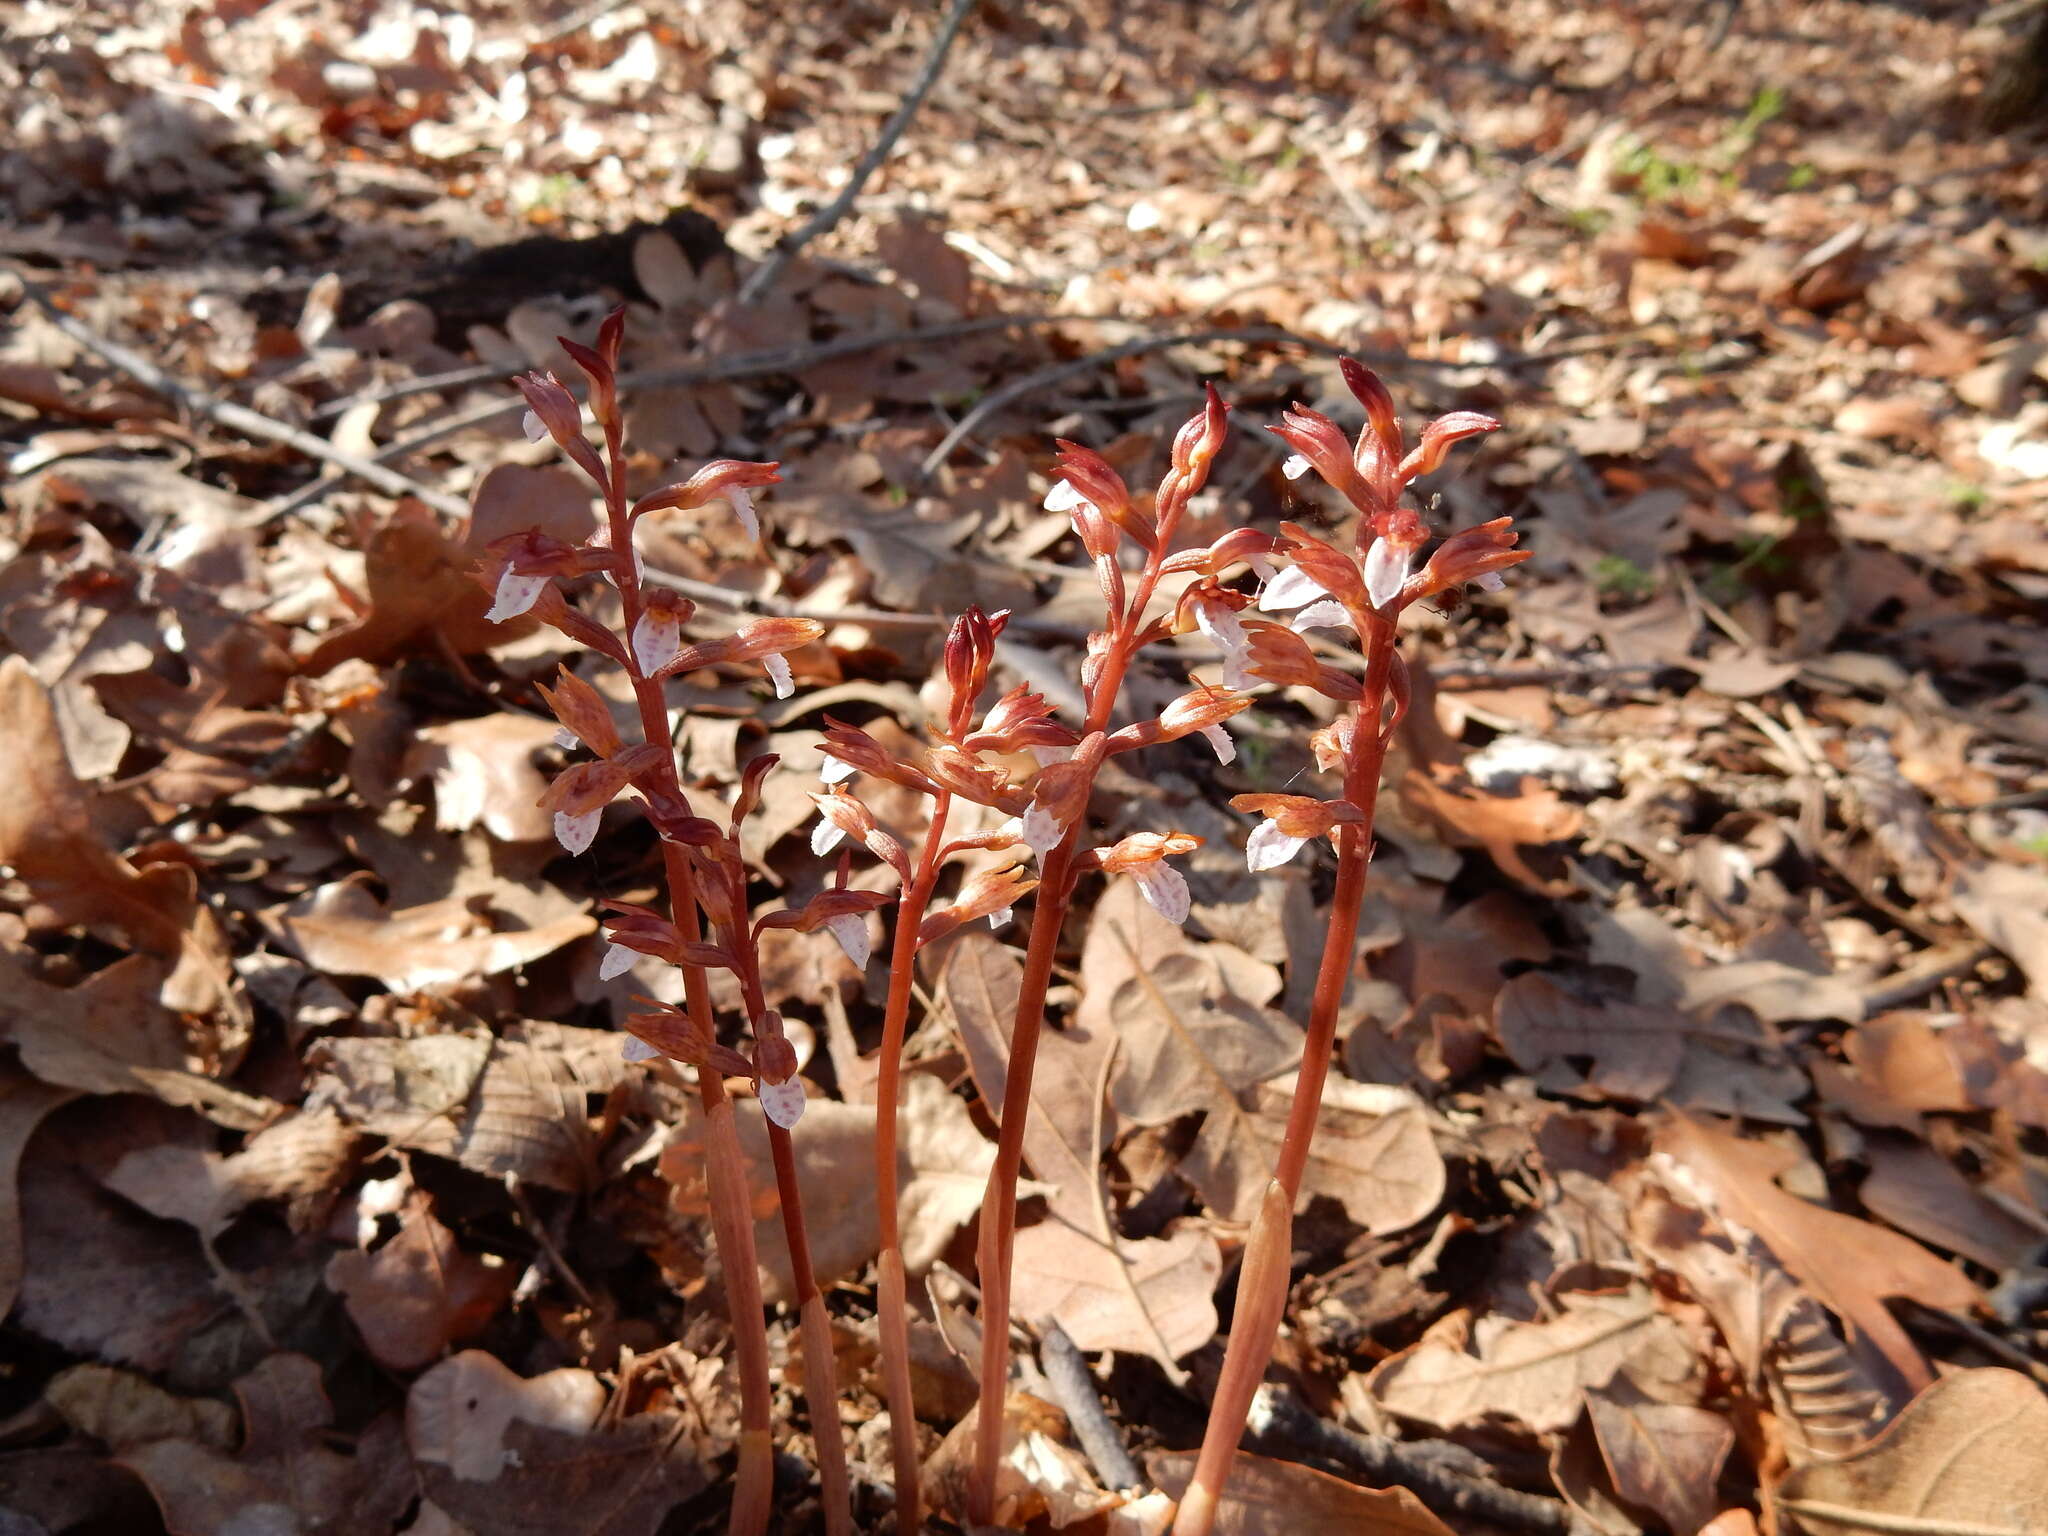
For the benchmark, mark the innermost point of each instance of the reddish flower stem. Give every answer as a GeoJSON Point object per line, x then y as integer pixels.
{"type": "Point", "coordinates": [1262, 1284]}
{"type": "Point", "coordinates": [998, 1240]}
{"type": "Point", "coordinates": [893, 1298]}
{"type": "Point", "coordinates": [732, 1225]}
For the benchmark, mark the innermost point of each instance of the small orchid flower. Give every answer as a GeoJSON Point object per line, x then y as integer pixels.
{"type": "Point", "coordinates": [576, 832]}
{"type": "Point", "coordinates": [1291, 821]}
{"type": "Point", "coordinates": [1386, 570]}
{"type": "Point", "coordinates": [516, 594]}
{"type": "Point", "coordinates": [852, 933]}
{"type": "Point", "coordinates": [1290, 589]}
{"type": "Point", "coordinates": [1143, 857]}
{"type": "Point", "coordinates": [1225, 630]}
{"type": "Point", "coordinates": [656, 639]}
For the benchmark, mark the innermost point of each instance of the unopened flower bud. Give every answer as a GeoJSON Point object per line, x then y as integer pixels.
{"type": "Point", "coordinates": [583, 713]}
{"type": "Point", "coordinates": [549, 400]}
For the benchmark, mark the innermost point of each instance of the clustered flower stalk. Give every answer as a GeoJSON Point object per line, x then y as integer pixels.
{"type": "Point", "coordinates": [700, 864]}
{"type": "Point", "coordinates": [1365, 591]}
{"type": "Point", "coordinates": [973, 758]}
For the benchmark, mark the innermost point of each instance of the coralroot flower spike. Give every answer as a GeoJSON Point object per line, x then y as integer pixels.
{"type": "Point", "coordinates": [1363, 589]}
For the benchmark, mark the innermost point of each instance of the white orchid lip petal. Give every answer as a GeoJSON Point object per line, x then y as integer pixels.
{"type": "Point", "coordinates": [1327, 614]}
{"type": "Point", "coordinates": [826, 835]}
{"type": "Point", "coordinates": [1220, 742]}
{"type": "Point", "coordinates": [782, 1102]}
{"type": "Point", "coordinates": [743, 507]}
{"type": "Point", "coordinates": [1268, 847]}
{"type": "Point", "coordinates": [536, 430]}
{"type": "Point", "coordinates": [515, 595]}
{"type": "Point", "coordinates": [656, 639]}
{"type": "Point", "coordinates": [777, 668]}
{"type": "Point", "coordinates": [1166, 888]}
{"type": "Point", "coordinates": [1220, 623]}
{"type": "Point", "coordinates": [1063, 497]}
{"type": "Point", "coordinates": [1490, 581]}
{"type": "Point", "coordinates": [832, 771]}
{"type": "Point", "coordinates": [1042, 830]}
{"type": "Point", "coordinates": [1290, 589]}
{"type": "Point", "coordinates": [1296, 466]}
{"type": "Point", "coordinates": [1386, 572]}
{"type": "Point", "coordinates": [852, 933]}
{"type": "Point", "coordinates": [576, 833]}
{"type": "Point", "coordinates": [1000, 918]}
{"type": "Point", "coordinates": [616, 962]}
{"type": "Point", "coordinates": [637, 1049]}
{"type": "Point", "coordinates": [566, 739]}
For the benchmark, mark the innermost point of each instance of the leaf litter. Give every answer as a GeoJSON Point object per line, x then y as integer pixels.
{"type": "Point", "coordinates": [1687, 1165]}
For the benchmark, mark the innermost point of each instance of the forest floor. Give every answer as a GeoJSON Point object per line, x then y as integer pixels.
{"type": "Point", "coordinates": [1691, 1119]}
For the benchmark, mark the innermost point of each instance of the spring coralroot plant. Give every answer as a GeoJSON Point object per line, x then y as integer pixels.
{"type": "Point", "coordinates": [1364, 590]}
{"type": "Point", "coordinates": [1036, 773]}
{"type": "Point", "coordinates": [700, 859]}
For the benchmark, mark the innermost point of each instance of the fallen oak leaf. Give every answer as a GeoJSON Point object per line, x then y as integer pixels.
{"type": "Point", "coordinates": [1501, 824]}
{"type": "Point", "coordinates": [47, 836]}
{"type": "Point", "coordinates": [1533, 1373]}
{"type": "Point", "coordinates": [1962, 1459]}
{"type": "Point", "coordinates": [1849, 1265]}
{"type": "Point", "coordinates": [521, 1457]}
{"type": "Point", "coordinates": [420, 1292]}
{"type": "Point", "coordinates": [1265, 1497]}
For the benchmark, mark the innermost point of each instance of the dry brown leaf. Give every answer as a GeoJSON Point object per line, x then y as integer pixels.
{"type": "Point", "coordinates": [2008, 906]}
{"type": "Point", "coordinates": [1533, 1373]}
{"type": "Point", "coordinates": [344, 930]}
{"type": "Point", "coordinates": [1629, 1052]}
{"type": "Point", "coordinates": [110, 1034]}
{"type": "Point", "coordinates": [1963, 1459]}
{"type": "Point", "coordinates": [516, 1104]}
{"type": "Point", "coordinates": [420, 1292]}
{"type": "Point", "coordinates": [484, 774]}
{"type": "Point", "coordinates": [1460, 957]}
{"type": "Point", "coordinates": [417, 583]}
{"type": "Point", "coordinates": [1152, 1296]}
{"type": "Point", "coordinates": [284, 1476]}
{"type": "Point", "coordinates": [1373, 1151]}
{"type": "Point", "coordinates": [1501, 824]}
{"type": "Point", "coordinates": [122, 1409]}
{"type": "Point", "coordinates": [943, 1167]}
{"type": "Point", "coordinates": [23, 1103]}
{"type": "Point", "coordinates": [302, 1159]}
{"type": "Point", "coordinates": [47, 835]}
{"type": "Point", "coordinates": [1283, 1498]}
{"type": "Point", "coordinates": [1920, 1192]}
{"type": "Point", "coordinates": [1849, 1265]}
{"type": "Point", "coordinates": [1663, 1457]}
{"type": "Point", "coordinates": [513, 1456]}
{"type": "Point", "coordinates": [1069, 1124]}
{"type": "Point", "coordinates": [99, 1277]}
{"type": "Point", "coordinates": [1194, 1035]}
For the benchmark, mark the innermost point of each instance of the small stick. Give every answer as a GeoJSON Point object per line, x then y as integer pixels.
{"type": "Point", "coordinates": [1282, 1421]}
{"type": "Point", "coordinates": [741, 365]}
{"type": "Point", "coordinates": [1031, 383]}
{"type": "Point", "coordinates": [763, 277]}
{"type": "Point", "coordinates": [1074, 1388]}
{"type": "Point", "coordinates": [238, 418]}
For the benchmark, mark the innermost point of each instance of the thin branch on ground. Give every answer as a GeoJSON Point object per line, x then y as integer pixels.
{"type": "Point", "coordinates": [225, 413]}
{"type": "Point", "coordinates": [741, 365]}
{"type": "Point", "coordinates": [1286, 1425]}
{"type": "Point", "coordinates": [1073, 1387]}
{"type": "Point", "coordinates": [763, 277]}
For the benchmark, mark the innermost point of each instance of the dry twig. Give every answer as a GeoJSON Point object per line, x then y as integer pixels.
{"type": "Point", "coordinates": [763, 277]}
